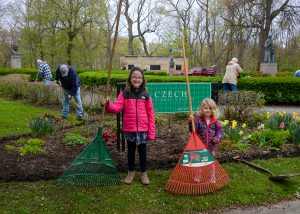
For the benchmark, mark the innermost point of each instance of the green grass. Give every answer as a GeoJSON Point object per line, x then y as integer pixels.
{"type": "Point", "coordinates": [16, 116]}
{"type": "Point", "coordinates": [247, 187]}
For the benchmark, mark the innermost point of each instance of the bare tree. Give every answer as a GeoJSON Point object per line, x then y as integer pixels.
{"type": "Point", "coordinates": [261, 15]}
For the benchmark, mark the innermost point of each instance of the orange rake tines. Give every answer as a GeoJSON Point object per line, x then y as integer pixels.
{"type": "Point", "coordinates": [197, 171]}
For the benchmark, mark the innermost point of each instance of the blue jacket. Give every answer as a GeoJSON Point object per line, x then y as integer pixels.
{"type": "Point", "coordinates": [71, 82]}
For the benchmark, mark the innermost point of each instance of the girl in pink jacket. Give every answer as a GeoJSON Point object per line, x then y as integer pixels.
{"type": "Point", "coordinates": [138, 120]}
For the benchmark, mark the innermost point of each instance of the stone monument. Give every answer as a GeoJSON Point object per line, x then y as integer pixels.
{"type": "Point", "coordinates": [15, 59]}
{"type": "Point", "coordinates": [269, 66]}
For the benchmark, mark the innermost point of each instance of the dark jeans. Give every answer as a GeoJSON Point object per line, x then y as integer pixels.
{"type": "Point", "coordinates": [229, 87]}
{"type": "Point", "coordinates": [131, 146]}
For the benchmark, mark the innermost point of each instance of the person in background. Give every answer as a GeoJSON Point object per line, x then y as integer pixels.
{"type": "Point", "coordinates": [66, 76]}
{"type": "Point", "coordinates": [138, 121]}
{"type": "Point", "coordinates": [210, 131]}
{"type": "Point", "coordinates": [44, 72]}
{"type": "Point", "coordinates": [230, 79]}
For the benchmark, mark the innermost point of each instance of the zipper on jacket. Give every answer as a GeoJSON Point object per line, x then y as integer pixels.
{"type": "Point", "coordinates": [136, 115]}
{"type": "Point", "coordinates": [207, 132]}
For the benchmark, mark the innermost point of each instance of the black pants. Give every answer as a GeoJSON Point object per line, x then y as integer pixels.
{"type": "Point", "coordinates": [131, 156]}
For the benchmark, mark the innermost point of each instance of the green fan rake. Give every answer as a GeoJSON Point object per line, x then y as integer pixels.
{"type": "Point", "coordinates": [93, 167]}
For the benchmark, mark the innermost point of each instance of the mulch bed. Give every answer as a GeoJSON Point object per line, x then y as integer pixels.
{"type": "Point", "coordinates": [163, 153]}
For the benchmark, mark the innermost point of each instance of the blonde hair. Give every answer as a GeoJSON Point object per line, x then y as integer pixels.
{"type": "Point", "coordinates": [212, 105]}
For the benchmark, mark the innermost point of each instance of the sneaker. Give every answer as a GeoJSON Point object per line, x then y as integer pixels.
{"type": "Point", "coordinates": [130, 177]}
{"type": "Point", "coordinates": [144, 178]}
{"type": "Point", "coordinates": [79, 118]}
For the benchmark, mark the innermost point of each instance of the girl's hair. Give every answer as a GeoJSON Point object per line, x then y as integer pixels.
{"type": "Point", "coordinates": [129, 86]}
{"type": "Point", "coordinates": [212, 105]}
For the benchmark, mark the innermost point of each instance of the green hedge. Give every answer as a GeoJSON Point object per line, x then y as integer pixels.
{"type": "Point", "coordinates": [283, 90]}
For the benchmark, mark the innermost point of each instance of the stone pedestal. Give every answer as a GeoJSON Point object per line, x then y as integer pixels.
{"type": "Point", "coordinates": [268, 68]}
{"type": "Point", "coordinates": [171, 71]}
{"type": "Point", "coordinates": [15, 61]}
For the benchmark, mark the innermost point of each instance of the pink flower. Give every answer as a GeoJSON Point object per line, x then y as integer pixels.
{"type": "Point", "coordinates": [282, 126]}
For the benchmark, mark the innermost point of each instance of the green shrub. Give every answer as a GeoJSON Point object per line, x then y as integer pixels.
{"type": "Point", "coordinates": [240, 106]}
{"type": "Point", "coordinates": [285, 74]}
{"type": "Point", "coordinates": [75, 139]}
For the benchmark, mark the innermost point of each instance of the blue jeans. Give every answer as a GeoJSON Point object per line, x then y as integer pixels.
{"type": "Point", "coordinates": [46, 82]}
{"type": "Point", "coordinates": [228, 86]}
{"type": "Point", "coordinates": [66, 103]}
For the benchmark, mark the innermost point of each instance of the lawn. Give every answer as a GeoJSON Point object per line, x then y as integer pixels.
{"type": "Point", "coordinates": [248, 187]}
{"type": "Point", "coordinates": [15, 117]}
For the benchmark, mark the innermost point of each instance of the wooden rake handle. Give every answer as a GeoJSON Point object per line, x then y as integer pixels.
{"type": "Point", "coordinates": [187, 83]}
{"type": "Point", "coordinates": [111, 60]}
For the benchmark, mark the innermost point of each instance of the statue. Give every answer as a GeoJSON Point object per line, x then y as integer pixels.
{"type": "Point", "coordinates": [15, 58]}
{"type": "Point", "coordinates": [172, 63]}
{"type": "Point", "coordinates": [269, 56]}
{"type": "Point", "coordinates": [15, 49]}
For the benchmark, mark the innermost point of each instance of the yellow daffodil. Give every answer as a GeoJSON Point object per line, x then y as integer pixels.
{"type": "Point", "coordinates": [241, 132]}
{"type": "Point", "coordinates": [295, 115]}
{"type": "Point", "coordinates": [244, 125]}
{"type": "Point", "coordinates": [233, 124]}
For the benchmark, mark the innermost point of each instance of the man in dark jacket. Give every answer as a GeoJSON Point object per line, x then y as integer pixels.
{"type": "Point", "coordinates": [70, 82]}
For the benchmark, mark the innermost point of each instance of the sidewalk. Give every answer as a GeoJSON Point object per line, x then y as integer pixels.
{"type": "Point", "coordinates": [285, 207]}
{"type": "Point", "coordinates": [287, 109]}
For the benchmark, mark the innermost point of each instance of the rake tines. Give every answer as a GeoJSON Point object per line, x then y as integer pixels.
{"type": "Point", "coordinates": [197, 171]}
{"type": "Point", "coordinates": [197, 180]}
{"type": "Point", "coordinates": [93, 167]}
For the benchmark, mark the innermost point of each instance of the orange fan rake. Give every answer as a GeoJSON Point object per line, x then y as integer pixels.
{"type": "Point", "coordinates": [197, 171]}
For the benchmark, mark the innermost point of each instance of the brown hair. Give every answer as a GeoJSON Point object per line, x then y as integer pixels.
{"type": "Point", "coordinates": [129, 86]}
{"type": "Point", "coordinates": [212, 105]}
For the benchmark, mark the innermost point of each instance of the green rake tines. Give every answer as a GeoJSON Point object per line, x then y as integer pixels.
{"type": "Point", "coordinates": [93, 167]}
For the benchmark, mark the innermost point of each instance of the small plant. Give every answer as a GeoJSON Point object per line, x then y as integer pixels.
{"type": "Point", "coordinates": [31, 147]}
{"type": "Point", "coordinates": [234, 132]}
{"type": "Point", "coordinates": [21, 141]}
{"type": "Point", "coordinates": [279, 120]}
{"type": "Point", "coordinates": [29, 150]}
{"type": "Point", "coordinates": [10, 148]}
{"type": "Point", "coordinates": [75, 139]}
{"type": "Point", "coordinates": [35, 142]}
{"type": "Point", "coordinates": [109, 137]}
{"type": "Point", "coordinates": [42, 126]}
{"type": "Point", "coordinates": [269, 138]}
{"type": "Point", "coordinates": [294, 130]}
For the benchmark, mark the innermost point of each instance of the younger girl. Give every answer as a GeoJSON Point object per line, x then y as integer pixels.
{"type": "Point", "coordinates": [138, 121]}
{"type": "Point", "coordinates": [209, 128]}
